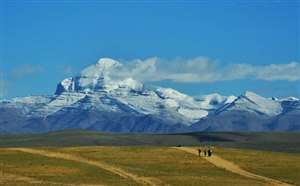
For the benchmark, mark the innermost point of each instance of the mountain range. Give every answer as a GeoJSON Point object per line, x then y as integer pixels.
{"type": "Point", "coordinates": [96, 100]}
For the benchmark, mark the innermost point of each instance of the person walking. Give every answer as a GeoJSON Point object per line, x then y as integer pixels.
{"type": "Point", "coordinates": [209, 152]}
{"type": "Point", "coordinates": [199, 151]}
{"type": "Point", "coordinates": [205, 152]}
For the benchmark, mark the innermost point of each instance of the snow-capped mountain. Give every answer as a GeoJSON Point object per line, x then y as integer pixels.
{"type": "Point", "coordinates": [252, 102]}
{"type": "Point", "coordinates": [95, 99]}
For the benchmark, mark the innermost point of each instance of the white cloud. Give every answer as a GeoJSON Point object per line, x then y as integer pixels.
{"type": "Point", "coordinates": [138, 69]}
{"type": "Point", "coordinates": [68, 69]}
{"type": "Point", "coordinates": [65, 69]}
{"type": "Point", "coordinates": [203, 70]}
{"type": "Point", "coordinates": [25, 70]}
{"type": "Point", "coordinates": [3, 88]}
{"type": "Point", "coordinates": [290, 72]}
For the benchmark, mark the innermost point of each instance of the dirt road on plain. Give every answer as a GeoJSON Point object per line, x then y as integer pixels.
{"type": "Point", "coordinates": [122, 173]}
{"type": "Point", "coordinates": [232, 167]}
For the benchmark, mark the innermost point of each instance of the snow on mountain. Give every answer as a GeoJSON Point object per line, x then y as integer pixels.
{"type": "Point", "coordinates": [289, 99]}
{"type": "Point", "coordinates": [32, 99]}
{"type": "Point", "coordinates": [14, 112]}
{"type": "Point", "coordinates": [27, 104]}
{"type": "Point", "coordinates": [96, 78]}
{"type": "Point", "coordinates": [252, 102]}
{"type": "Point", "coordinates": [230, 99]}
{"type": "Point", "coordinates": [142, 99]}
{"type": "Point", "coordinates": [93, 99]}
{"type": "Point", "coordinates": [63, 100]}
{"type": "Point", "coordinates": [213, 101]}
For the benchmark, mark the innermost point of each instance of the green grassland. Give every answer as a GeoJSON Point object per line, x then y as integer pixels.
{"type": "Point", "coordinates": [270, 141]}
{"type": "Point", "coordinates": [171, 166]}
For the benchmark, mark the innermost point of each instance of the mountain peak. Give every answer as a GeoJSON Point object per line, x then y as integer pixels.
{"type": "Point", "coordinates": [101, 69]}
{"type": "Point", "coordinates": [250, 94]}
{"type": "Point", "coordinates": [255, 103]}
{"type": "Point", "coordinates": [107, 62]}
{"type": "Point", "coordinates": [97, 78]}
{"type": "Point", "coordinates": [291, 98]}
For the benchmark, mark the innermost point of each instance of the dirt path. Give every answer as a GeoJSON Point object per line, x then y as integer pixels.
{"type": "Point", "coordinates": [141, 180]}
{"type": "Point", "coordinates": [8, 178]}
{"type": "Point", "coordinates": [232, 167]}
{"type": "Point", "coordinates": [5, 177]}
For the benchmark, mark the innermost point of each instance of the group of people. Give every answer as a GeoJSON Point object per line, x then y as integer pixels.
{"type": "Point", "coordinates": [206, 152]}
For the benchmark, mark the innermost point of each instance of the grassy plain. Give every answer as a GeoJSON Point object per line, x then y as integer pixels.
{"type": "Point", "coordinates": [53, 170]}
{"type": "Point", "coordinates": [163, 164]}
{"type": "Point", "coordinates": [282, 166]}
{"type": "Point", "coordinates": [271, 141]}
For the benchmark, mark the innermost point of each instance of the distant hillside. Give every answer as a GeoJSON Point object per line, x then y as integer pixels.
{"type": "Point", "coordinates": [270, 141]}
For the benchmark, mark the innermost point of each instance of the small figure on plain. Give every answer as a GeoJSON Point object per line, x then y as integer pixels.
{"type": "Point", "coordinates": [199, 151]}
{"type": "Point", "coordinates": [209, 152]}
{"type": "Point", "coordinates": [179, 145]}
{"type": "Point", "coordinates": [205, 152]}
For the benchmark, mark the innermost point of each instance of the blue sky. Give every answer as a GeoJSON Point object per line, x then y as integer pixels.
{"type": "Point", "coordinates": [44, 42]}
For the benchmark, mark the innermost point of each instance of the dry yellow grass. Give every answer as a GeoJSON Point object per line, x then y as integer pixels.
{"type": "Point", "coordinates": [282, 166]}
{"type": "Point", "coordinates": [156, 165]}
{"type": "Point", "coordinates": [233, 167]}
{"type": "Point", "coordinates": [169, 165]}
{"type": "Point", "coordinates": [37, 167]}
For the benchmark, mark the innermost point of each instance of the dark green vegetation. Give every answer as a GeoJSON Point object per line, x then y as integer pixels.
{"type": "Point", "coordinates": [270, 141]}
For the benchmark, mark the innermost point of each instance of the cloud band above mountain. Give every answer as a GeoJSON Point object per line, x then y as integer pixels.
{"type": "Point", "coordinates": [25, 70]}
{"type": "Point", "coordinates": [203, 70]}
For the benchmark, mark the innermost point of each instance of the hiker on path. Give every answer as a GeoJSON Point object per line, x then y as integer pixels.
{"type": "Point", "coordinates": [205, 152]}
{"type": "Point", "coordinates": [199, 151]}
{"type": "Point", "coordinates": [209, 152]}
